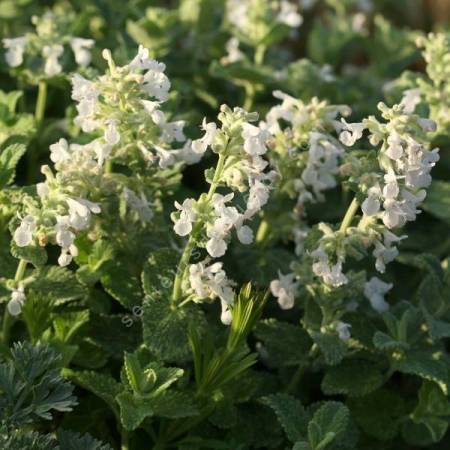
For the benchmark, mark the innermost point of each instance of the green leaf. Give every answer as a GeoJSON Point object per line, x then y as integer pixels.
{"type": "Point", "coordinates": [12, 150]}
{"type": "Point", "coordinates": [327, 425]}
{"type": "Point", "coordinates": [133, 410]}
{"type": "Point", "coordinates": [437, 202]}
{"type": "Point", "coordinates": [379, 413]}
{"type": "Point", "coordinates": [59, 283]}
{"type": "Point", "coordinates": [290, 413]}
{"type": "Point", "coordinates": [286, 344]}
{"type": "Point", "coordinates": [333, 348]}
{"type": "Point", "coordinates": [429, 421]}
{"type": "Point", "coordinates": [353, 377]}
{"type": "Point", "coordinates": [31, 387]}
{"type": "Point", "coordinates": [32, 253]}
{"type": "Point", "coordinates": [424, 366]}
{"type": "Point", "coordinates": [384, 342]}
{"type": "Point", "coordinates": [122, 284]}
{"type": "Point", "coordinates": [102, 385]}
{"type": "Point", "coordinates": [69, 440]}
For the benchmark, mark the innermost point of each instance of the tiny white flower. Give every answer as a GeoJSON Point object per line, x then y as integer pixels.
{"type": "Point", "coordinates": [16, 49]}
{"type": "Point", "coordinates": [374, 291]}
{"type": "Point", "coordinates": [343, 330]}
{"type": "Point", "coordinates": [81, 49]}
{"type": "Point", "coordinates": [351, 132]}
{"type": "Point", "coordinates": [200, 145]}
{"type": "Point", "coordinates": [51, 53]}
{"type": "Point", "coordinates": [59, 151]}
{"type": "Point", "coordinates": [285, 289]}
{"type": "Point", "coordinates": [245, 235]}
{"type": "Point", "coordinates": [17, 300]}
{"type": "Point", "coordinates": [289, 14]}
{"type": "Point", "coordinates": [111, 135]}
{"type": "Point", "coordinates": [23, 235]}
{"type": "Point", "coordinates": [255, 139]}
{"type": "Point", "coordinates": [183, 225]}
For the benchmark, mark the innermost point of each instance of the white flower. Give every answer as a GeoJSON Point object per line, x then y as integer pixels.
{"type": "Point", "coordinates": [234, 54]}
{"type": "Point", "coordinates": [140, 205]}
{"type": "Point", "coordinates": [80, 212]}
{"type": "Point", "coordinates": [226, 316]}
{"type": "Point", "coordinates": [64, 237]}
{"type": "Point", "coordinates": [183, 225]}
{"type": "Point", "coordinates": [59, 151]}
{"type": "Point", "coordinates": [51, 53]}
{"type": "Point", "coordinates": [285, 289]}
{"type": "Point", "coordinates": [289, 15]}
{"type": "Point", "coordinates": [343, 330]}
{"type": "Point", "coordinates": [81, 49]}
{"type": "Point", "coordinates": [395, 148]}
{"type": "Point", "coordinates": [255, 139]}
{"type": "Point", "coordinates": [156, 84]}
{"type": "Point", "coordinates": [258, 196]}
{"type": "Point", "coordinates": [211, 282]}
{"type": "Point", "coordinates": [17, 300]}
{"type": "Point", "coordinates": [385, 252]}
{"type": "Point", "coordinates": [67, 254]}
{"type": "Point", "coordinates": [351, 132]}
{"type": "Point", "coordinates": [16, 49]}
{"type": "Point", "coordinates": [411, 98]}
{"type": "Point", "coordinates": [371, 205]}
{"type": "Point", "coordinates": [200, 145]}
{"type": "Point", "coordinates": [245, 234]}
{"type": "Point", "coordinates": [331, 274]}
{"type": "Point", "coordinates": [23, 235]}
{"type": "Point", "coordinates": [375, 290]}
{"type": "Point", "coordinates": [111, 135]}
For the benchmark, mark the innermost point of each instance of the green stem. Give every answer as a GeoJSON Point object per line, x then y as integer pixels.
{"type": "Point", "coordinates": [186, 256]}
{"type": "Point", "coordinates": [41, 101]}
{"type": "Point", "coordinates": [125, 441]}
{"type": "Point", "coordinates": [351, 211]}
{"type": "Point", "coordinates": [249, 96]}
{"type": "Point", "coordinates": [108, 166]}
{"type": "Point", "coordinates": [263, 231]}
{"type": "Point", "coordinates": [8, 320]}
{"type": "Point", "coordinates": [259, 54]}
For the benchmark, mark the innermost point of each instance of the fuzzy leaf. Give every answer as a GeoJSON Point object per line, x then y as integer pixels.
{"type": "Point", "coordinates": [32, 253]}
{"type": "Point", "coordinates": [69, 440]}
{"type": "Point", "coordinates": [9, 158]}
{"type": "Point", "coordinates": [286, 344]}
{"type": "Point", "coordinates": [328, 424]}
{"type": "Point", "coordinates": [290, 413]}
{"type": "Point", "coordinates": [333, 348]}
{"type": "Point", "coordinates": [353, 377]}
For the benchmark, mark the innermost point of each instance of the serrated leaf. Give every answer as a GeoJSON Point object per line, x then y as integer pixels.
{"type": "Point", "coordinates": [102, 385]}
{"type": "Point", "coordinates": [57, 282]}
{"type": "Point", "coordinates": [32, 253]}
{"type": "Point", "coordinates": [333, 348]}
{"type": "Point", "coordinates": [286, 344]}
{"type": "Point", "coordinates": [9, 158]}
{"type": "Point", "coordinates": [69, 440]}
{"type": "Point", "coordinates": [379, 413]}
{"type": "Point", "coordinates": [432, 413]}
{"type": "Point", "coordinates": [384, 342]}
{"type": "Point", "coordinates": [122, 284]}
{"type": "Point", "coordinates": [422, 365]}
{"type": "Point", "coordinates": [327, 425]}
{"type": "Point", "coordinates": [353, 377]}
{"type": "Point", "coordinates": [133, 410]}
{"type": "Point", "coordinates": [290, 413]}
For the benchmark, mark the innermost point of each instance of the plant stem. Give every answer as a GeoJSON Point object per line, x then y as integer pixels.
{"type": "Point", "coordinates": [263, 231]}
{"type": "Point", "coordinates": [249, 96]}
{"type": "Point", "coordinates": [351, 211]}
{"type": "Point", "coordinates": [108, 166]}
{"type": "Point", "coordinates": [259, 54]}
{"type": "Point", "coordinates": [8, 320]}
{"type": "Point", "coordinates": [41, 101]}
{"type": "Point", "coordinates": [186, 256]}
{"type": "Point", "coordinates": [125, 441]}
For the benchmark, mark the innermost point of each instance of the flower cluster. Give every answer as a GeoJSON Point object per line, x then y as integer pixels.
{"type": "Point", "coordinates": [210, 220]}
{"type": "Point", "coordinates": [436, 89]}
{"type": "Point", "coordinates": [125, 96]}
{"type": "Point", "coordinates": [304, 150]}
{"type": "Point", "coordinates": [71, 195]}
{"type": "Point", "coordinates": [253, 20]}
{"type": "Point", "coordinates": [404, 159]}
{"type": "Point", "coordinates": [46, 46]}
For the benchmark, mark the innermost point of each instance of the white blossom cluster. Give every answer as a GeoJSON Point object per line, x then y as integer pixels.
{"type": "Point", "coordinates": [48, 43]}
{"type": "Point", "coordinates": [124, 105]}
{"type": "Point", "coordinates": [252, 20]}
{"type": "Point", "coordinates": [404, 158]}
{"type": "Point", "coordinates": [305, 152]}
{"type": "Point", "coordinates": [211, 219]}
{"type": "Point", "coordinates": [64, 205]}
